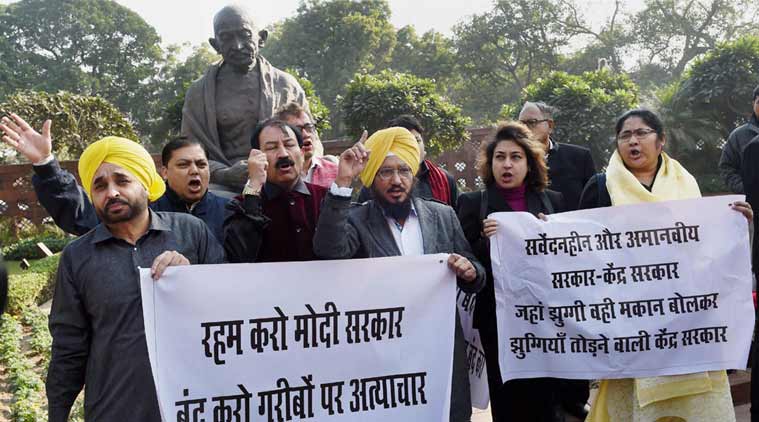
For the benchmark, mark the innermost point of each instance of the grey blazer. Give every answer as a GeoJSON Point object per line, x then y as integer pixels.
{"type": "Point", "coordinates": [347, 230]}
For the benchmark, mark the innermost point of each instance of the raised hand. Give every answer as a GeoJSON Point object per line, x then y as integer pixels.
{"type": "Point", "coordinates": [352, 162]}
{"type": "Point", "coordinates": [257, 166]}
{"type": "Point", "coordinates": [27, 141]}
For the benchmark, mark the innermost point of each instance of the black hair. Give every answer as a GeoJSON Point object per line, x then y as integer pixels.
{"type": "Point", "coordinates": [756, 93]}
{"type": "Point", "coordinates": [408, 122]}
{"type": "Point", "coordinates": [649, 118]}
{"type": "Point", "coordinates": [255, 141]}
{"type": "Point", "coordinates": [177, 143]}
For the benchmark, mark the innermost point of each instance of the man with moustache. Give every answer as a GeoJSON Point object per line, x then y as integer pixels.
{"type": "Point", "coordinates": [185, 169]}
{"type": "Point", "coordinates": [222, 108]}
{"type": "Point", "coordinates": [275, 218]}
{"type": "Point", "coordinates": [569, 166]}
{"type": "Point", "coordinates": [317, 169]}
{"type": "Point", "coordinates": [394, 223]}
{"type": "Point", "coordinates": [96, 319]}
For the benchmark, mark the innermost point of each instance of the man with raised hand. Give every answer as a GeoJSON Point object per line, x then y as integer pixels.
{"type": "Point", "coordinates": [396, 224]}
{"type": "Point", "coordinates": [96, 319]}
{"type": "Point", "coordinates": [185, 169]}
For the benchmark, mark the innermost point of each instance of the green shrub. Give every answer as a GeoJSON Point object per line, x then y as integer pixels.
{"type": "Point", "coordinates": [28, 249]}
{"type": "Point", "coordinates": [26, 385]}
{"type": "Point", "coordinates": [40, 339]}
{"type": "Point", "coordinates": [24, 290]}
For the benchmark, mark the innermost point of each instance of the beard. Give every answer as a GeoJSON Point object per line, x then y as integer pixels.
{"type": "Point", "coordinates": [397, 210]}
{"type": "Point", "coordinates": [133, 209]}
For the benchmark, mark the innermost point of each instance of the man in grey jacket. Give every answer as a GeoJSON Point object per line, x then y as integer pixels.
{"type": "Point", "coordinates": [395, 223]}
{"type": "Point", "coordinates": [732, 152]}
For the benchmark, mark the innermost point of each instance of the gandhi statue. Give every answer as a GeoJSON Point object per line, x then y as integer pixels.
{"type": "Point", "coordinates": [222, 108]}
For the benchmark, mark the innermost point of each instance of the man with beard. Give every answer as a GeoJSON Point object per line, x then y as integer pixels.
{"type": "Point", "coordinates": [96, 319]}
{"type": "Point", "coordinates": [222, 108]}
{"type": "Point", "coordinates": [730, 164]}
{"type": "Point", "coordinates": [185, 168]}
{"type": "Point", "coordinates": [396, 223]}
{"type": "Point", "coordinates": [317, 169]}
{"type": "Point", "coordinates": [569, 166]}
{"type": "Point", "coordinates": [275, 218]}
{"type": "Point", "coordinates": [432, 181]}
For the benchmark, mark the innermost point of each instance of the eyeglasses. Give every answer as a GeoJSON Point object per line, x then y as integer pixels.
{"type": "Point", "coordinates": [308, 127]}
{"type": "Point", "coordinates": [387, 173]}
{"type": "Point", "coordinates": [627, 135]}
{"type": "Point", "coordinates": [533, 122]}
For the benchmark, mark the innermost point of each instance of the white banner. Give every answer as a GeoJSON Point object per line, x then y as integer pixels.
{"type": "Point", "coordinates": [475, 354]}
{"type": "Point", "coordinates": [631, 291]}
{"type": "Point", "coordinates": [364, 339]}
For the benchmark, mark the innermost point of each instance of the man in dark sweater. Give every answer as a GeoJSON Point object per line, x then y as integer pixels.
{"type": "Point", "coordinates": [569, 166]}
{"type": "Point", "coordinates": [732, 153]}
{"type": "Point", "coordinates": [275, 217]}
{"type": "Point", "coordinates": [185, 169]}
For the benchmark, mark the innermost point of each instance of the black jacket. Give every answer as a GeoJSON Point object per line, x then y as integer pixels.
{"type": "Point", "coordinates": [470, 212]}
{"type": "Point", "coordinates": [750, 176]}
{"type": "Point", "coordinates": [569, 169]}
{"type": "Point", "coordinates": [730, 164]}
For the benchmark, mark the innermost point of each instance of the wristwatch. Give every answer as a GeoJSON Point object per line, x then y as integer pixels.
{"type": "Point", "coordinates": [249, 190]}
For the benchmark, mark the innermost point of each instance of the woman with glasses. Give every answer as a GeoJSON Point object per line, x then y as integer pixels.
{"type": "Point", "coordinates": [512, 166]}
{"type": "Point", "coordinates": [640, 171]}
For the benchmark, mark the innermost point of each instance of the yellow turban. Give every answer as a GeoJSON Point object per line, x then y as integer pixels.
{"type": "Point", "coordinates": [396, 140]}
{"type": "Point", "coordinates": [126, 154]}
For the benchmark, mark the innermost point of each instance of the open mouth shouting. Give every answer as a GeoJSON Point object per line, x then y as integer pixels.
{"type": "Point", "coordinates": [285, 165]}
{"type": "Point", "coordinates": [195, 185]}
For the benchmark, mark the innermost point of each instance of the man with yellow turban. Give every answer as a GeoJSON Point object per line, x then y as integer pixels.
{"type": "Point", "coordinates": [394, 223]}
{"type": "Point", "coordinates": [96, 319]}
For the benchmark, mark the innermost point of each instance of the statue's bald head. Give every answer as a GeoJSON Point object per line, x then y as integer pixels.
{"type": "Point", "coordinates": [235, 15]}
{"type": "Point", "coordinates": [235, 37]}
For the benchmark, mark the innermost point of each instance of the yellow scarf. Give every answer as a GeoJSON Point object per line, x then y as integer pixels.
{"type": "Point", "coordinates": [672, 182]}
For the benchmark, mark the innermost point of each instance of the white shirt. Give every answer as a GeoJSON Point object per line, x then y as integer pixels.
{"type": "Point", "coordinates": [408, 237]}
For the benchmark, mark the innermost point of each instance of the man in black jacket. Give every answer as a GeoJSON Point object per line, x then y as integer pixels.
{"type": "Point", "coordinates": [732, 152]}
{"type": "Point", "coordinates": [750, 182]}
{"type": "Point", "coordinates": [569, 166]}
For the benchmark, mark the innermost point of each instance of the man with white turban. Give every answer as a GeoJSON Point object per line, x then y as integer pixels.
{"type": "Point", "coordinates": [96, 319]}
{"type": "Point", "coordinates": [394, 223]}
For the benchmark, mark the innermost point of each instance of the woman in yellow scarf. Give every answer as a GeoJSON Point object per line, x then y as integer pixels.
{"type": "Point", "coordinates": [640, 171]}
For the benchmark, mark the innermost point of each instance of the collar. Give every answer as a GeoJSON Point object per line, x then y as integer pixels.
{"type": "Point", "coordinates": [102, 233]}
{"type": "Point", "coordinates": [552, 146]}
{"type": "Point", "coordinates": [178, 202]}
{"type": "Point", "coordinates": [272, 191]}
{"type": "Point", "coordinates": [423, 168]}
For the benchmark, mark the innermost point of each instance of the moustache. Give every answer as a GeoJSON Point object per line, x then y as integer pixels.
{"type": "Point", "coordinates": [284, 161]}
{"type": "Point", "coordinates": [116, 201]}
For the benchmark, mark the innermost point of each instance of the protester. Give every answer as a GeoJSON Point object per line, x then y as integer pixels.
{"type": "Point", "coordinates": [96, 318]}
{"type": "Point", "coordinates": [730, 163]}
{"type": "Point", "coordinates": [513, 168]}
{"type": "Point", "coordinates": [640, 171]}
{"type": "Point", "coordinates": [569, 166]}
{"type": "Point", "coordinates": [750, 179]}
{"type": "Point", "coordinates": [432, 181]}
{"type": "Point", "coordinates": [395, 223]}
{"type": "Point", "coordinates": [317, 169]}
{"type": "Point", "coordinates": [185, 168]}
{"type": "Point", "coordinates": [275, 218]}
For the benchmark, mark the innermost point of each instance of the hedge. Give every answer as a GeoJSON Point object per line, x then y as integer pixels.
{"type": "Point", "coordinates": [28, 249]}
